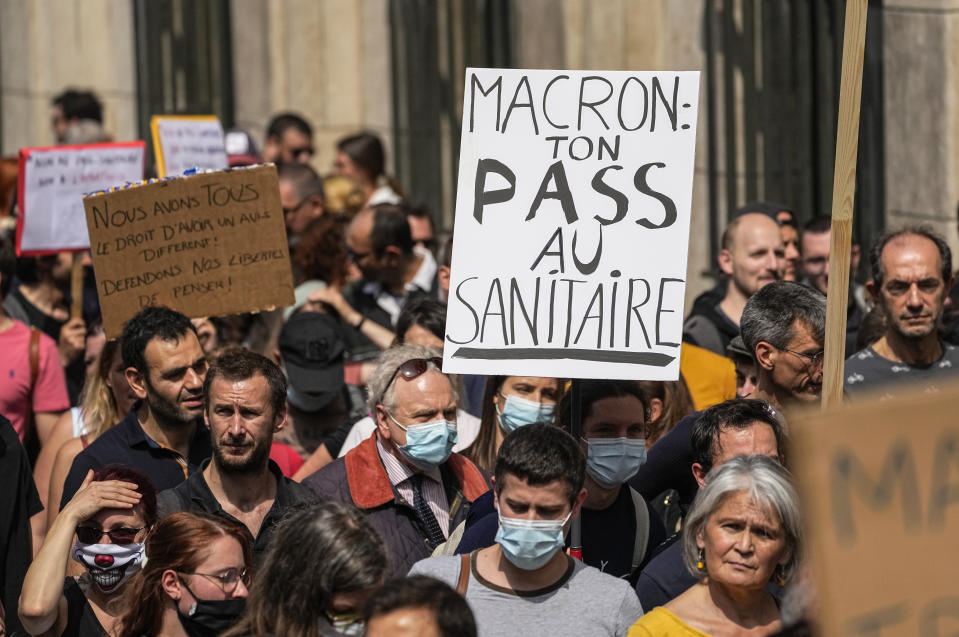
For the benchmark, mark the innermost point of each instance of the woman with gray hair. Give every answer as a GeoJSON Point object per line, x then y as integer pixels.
{"type": "Point", "coordinates": [742, 530]}
{"type": "Point", "coordinates": [323, 564]}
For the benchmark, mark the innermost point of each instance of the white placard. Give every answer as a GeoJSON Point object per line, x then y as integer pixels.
{"type": "Point", "coordinates": [572, 223]}
{"type": "Point", "coordinates": [53, 182]}
{"type": "Point", "coordinates": [188, 141]}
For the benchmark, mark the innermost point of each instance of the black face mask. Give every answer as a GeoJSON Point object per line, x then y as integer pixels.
{"type": "Point", "coordinates": [212, 617]}
{"type": "Point", "coordinates": [208, 618]}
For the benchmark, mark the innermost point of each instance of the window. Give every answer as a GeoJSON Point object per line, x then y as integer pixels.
{"type": "Point", "coordinates": [184, 61]}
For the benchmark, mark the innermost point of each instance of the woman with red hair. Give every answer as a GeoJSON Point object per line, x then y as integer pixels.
{"type": "Point", "coordinates": [194, 582]}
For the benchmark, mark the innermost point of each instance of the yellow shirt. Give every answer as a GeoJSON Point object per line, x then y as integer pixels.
{"type": "Point", "coordinates": [711, 378]}
{"type": "Point", "coordinates": [659, 622]}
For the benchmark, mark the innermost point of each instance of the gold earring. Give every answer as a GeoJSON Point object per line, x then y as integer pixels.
{"type": "Point", "coordinates": [701, 564]}
{"type": "Point", "coordinates": [780, 576]}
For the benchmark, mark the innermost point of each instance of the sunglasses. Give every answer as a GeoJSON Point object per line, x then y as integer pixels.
{"type": "Point", "coordinates": [415, 367]}
{"type": "Point", "coordinates": [296, 152]}
{"type": "Point", "coordinates": [355, 256]}
{"type": "Point", "coordinates": [92, 535]}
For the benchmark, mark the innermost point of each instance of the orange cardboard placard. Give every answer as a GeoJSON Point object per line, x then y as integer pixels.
{"type": "Point", "coordinates": [879, 481]}
{"type": "Point", "coordinates": [205, 245]}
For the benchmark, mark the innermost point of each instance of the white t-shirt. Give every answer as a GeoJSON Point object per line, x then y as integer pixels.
{"type": "Point", "coordinates": [467, 427]}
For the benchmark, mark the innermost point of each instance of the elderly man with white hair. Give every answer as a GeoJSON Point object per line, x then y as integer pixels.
{"type": "Point", "coordinates": [405, 476]}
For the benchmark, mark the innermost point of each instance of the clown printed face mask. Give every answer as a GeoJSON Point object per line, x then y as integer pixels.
{"type": "Point", "coordinates": [109, 565]}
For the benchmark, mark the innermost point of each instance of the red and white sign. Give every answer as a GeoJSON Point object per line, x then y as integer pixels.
{"type": "Point", "coordinates": [52, 183]}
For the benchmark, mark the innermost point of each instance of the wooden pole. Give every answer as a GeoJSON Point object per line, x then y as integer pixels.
{"type": "Point", "coordinates": [576, 430]}
{"type": "Point", "coordinates": [843, 196]}
{"type": "Point", "coordinates": [76, 286]}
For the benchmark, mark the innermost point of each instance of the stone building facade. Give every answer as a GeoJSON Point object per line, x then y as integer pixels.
{"type": "Point", "coordinates": [770, 79]}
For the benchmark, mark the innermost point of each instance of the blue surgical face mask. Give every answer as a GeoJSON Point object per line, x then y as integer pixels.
{"type": "Point", "coordinates": [529, 544]}
{"type": "Point", "coordinates": [613, 461]}
{"type": "Point", "coordinates": [519, 411]}
{"type": "Point", "coordinates": [429, 444]}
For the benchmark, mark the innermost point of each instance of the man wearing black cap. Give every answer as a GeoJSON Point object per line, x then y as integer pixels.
{"type": "Point", "coordinates": [312, 351]}
{"type": "Point", "coordinates": [245, 403]}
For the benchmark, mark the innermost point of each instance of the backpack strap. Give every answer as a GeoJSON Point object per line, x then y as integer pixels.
{"type": "Point", "coordinates": [642, 529]}
{"type": "Point", "coordinates": [464, 580]}
{"type": "Point", "coordinates": [34, 356]}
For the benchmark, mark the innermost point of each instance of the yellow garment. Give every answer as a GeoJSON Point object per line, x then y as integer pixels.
{"type": "Point", "coordinates": [711, 378]}
{"type": "Point", "coordinates": [659, 622]}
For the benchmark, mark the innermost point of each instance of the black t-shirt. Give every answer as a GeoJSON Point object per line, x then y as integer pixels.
{"type": "Point", "coordinates": [126, 443]}
{"type": "Point", "coordinates": [19, 501]}
{"type": "Point", "coordinates": [616, 525]}
{"type": "Point", "coordinates": [868, 371]}
{"type": "Point", "coordinates": [81, 620]}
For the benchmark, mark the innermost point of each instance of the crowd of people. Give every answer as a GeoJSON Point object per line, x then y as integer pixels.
{"type": "Point", "coordinates": [313, 471]}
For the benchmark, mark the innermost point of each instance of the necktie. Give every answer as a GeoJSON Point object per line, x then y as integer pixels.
{"type": "Point", "coordinates": [424, 513]}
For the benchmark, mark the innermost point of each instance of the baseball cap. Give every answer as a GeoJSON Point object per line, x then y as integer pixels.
{"type": "Point", "coordinates": [311, 349]}
{"type": "Point", "coordinates": [737, 347]}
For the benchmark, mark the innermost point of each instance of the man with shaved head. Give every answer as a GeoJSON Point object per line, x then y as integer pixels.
{"type": "Point", "coordinates": [752, 255]}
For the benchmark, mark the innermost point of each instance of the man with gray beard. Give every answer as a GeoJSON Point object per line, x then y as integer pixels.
{"type": "Point", "coordinates": [245, 404]}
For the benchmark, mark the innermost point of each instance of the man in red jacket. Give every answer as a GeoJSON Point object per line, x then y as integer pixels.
{"type": "Point", "coordinates": [404, 476]}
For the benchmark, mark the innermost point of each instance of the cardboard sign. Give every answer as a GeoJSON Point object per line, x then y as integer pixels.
{"type": "Point", "coordinates": [51, 185]}
{"type": "Point", "coordinates": [205, 245]}
{"type": "Point", "coordinates": [572, 223]}
{"type": "Point", "coordinates": [182, 142]}
{"type": "Point", "coordinates": [879, 483]}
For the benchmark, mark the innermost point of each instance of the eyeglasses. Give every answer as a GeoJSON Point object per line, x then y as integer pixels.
{"type": "Point", "coordinates": [813, 359]}
{"type": "Point", "coordinates": [92, 534]}
{"type": "Point", "coordinates": [228, 580]}
{"type": "Point", "coordinates": [289, 211]}
{"type": "Point", "coordinates": [429, 244]}
{"type": "Point", "coordinates": [415, 367]}
{"type": "Point", "coordinates": [355, 256]}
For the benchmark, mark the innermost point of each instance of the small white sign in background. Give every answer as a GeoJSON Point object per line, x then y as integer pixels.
{"type": "Point", "coordinates": [572, 223]}
{"type": "Point", "coordinates": [182, 142]}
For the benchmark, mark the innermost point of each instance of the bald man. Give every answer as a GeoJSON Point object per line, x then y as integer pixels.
{"type": "Point", "coordinates": [380, 243]}
{"type": "Point", "coordinates": [752, 255]}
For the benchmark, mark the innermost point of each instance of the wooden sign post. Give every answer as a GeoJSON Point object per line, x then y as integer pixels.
{"type": "Point", "coordinates": [843, 196]}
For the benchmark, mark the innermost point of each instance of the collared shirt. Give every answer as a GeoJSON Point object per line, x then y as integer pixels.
{"type": "Point", "coordinates": [194, 496]}
{"type": "Point", "coordinates": [400, 474]}
{"type": "Point", "coordinates": [422, 281]}
{"type": "Point", "coordinates": [126, 443]}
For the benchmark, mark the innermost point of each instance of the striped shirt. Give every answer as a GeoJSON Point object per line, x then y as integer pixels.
{"type": "Point", "coordinates": [433, 492]}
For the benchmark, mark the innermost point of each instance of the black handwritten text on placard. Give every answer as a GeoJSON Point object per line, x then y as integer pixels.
{"type": "Point", "coordinates": [574, 297]}
{"type": "Point", "coordinates": [203, 244]}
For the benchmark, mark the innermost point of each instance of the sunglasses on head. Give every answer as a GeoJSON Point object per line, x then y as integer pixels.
{"type": "Point", "coordinates": [92, 535]}
{"type": "Point", "coordinates": [415, 367]}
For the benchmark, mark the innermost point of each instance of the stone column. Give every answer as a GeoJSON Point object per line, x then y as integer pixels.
{"type": "Point", "coordinates": [328, 60]}
{"type": "Point", "coordinates": [921, 100]}
{"type": "Point", "coordinates": [47, 46]}
{"type": "Point", "coordinates": [641, 35]}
